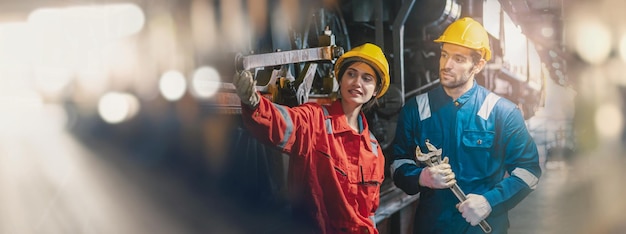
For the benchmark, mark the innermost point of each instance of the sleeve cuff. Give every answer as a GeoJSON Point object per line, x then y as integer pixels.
{"type": "Point", "coordinates": [492, 197]}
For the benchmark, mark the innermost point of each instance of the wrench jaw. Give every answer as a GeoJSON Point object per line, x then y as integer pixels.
{"type": "Point", "coordinates": [432, 158]}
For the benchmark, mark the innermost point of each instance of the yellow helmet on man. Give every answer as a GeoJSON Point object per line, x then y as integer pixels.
{"type": "Point", "coordinates": [468, 33]}
{"type": "Point", "coordinates": [372, 55]}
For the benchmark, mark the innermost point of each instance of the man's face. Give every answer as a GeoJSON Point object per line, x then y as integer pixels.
{"type": "Point", "coordinates": [456, 68]}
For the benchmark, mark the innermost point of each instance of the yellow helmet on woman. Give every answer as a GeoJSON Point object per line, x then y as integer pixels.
{"type": "Point", "coordinates": [372, 55]}
{"type": "Point", "coordinates": [468, 33]}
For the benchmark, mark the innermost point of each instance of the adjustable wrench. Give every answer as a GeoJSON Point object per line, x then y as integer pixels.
{"type": "Point", "coordinates": [433, 158]}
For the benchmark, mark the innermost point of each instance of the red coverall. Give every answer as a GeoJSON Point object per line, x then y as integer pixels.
{"type": "Point", "coordinates": [335, 173]}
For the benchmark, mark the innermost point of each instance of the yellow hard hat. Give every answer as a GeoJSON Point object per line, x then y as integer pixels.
{"type": "Point", "coordinates": [468, 33]}
{"type": "Point", "coordinates": [374, 56]}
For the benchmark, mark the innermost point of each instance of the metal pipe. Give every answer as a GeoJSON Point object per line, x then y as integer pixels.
{"type": "Point", "coordinates": [326, 53]}
{"type": "Point", "coordinates": [398, 44]}
{"type": "Point", "coordinates": [380, 36]}
{"type": "Point", "coordinates": [421, 88]}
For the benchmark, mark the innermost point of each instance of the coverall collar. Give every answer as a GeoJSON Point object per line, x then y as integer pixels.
{"type": "Point", "coordinates": [466, 96]}
{"type": "Point", "coordinates": [339, 123]}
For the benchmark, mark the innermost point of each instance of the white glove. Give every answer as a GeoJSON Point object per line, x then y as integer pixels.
{"type": "Point", "coordinates": [475, 209]}
{"type": "Point", "coordinates": [438, 177]}
{"type": "Point", "coordinates": [244, 82]}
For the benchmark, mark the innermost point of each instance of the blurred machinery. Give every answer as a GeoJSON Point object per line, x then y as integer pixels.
{"type": "Point", "coordinates": [405, 30]}
{"type": "Point", "coordinates": [522, 61]}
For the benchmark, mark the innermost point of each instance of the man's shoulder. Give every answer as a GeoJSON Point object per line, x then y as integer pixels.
{"type": "Point", "coordinates": [502, 102]}
{"type": "Point", "coordinates": [432, 94]}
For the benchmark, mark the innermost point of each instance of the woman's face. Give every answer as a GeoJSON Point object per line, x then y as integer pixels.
{"type": "Point", "coordinates": [358, 83]}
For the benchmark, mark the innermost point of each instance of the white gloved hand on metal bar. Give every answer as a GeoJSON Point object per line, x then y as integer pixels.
{"type": "Point", "coordinates": [475, 209]}
{"type": "Point", "coordinates": [437, 176]}
{"type": "Point", "coordinates": [245, 84]}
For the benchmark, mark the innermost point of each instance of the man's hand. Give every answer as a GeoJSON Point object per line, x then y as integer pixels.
{"type": "Point", "coordinates": [475, 209]}
{"type": "Point", "coordinates": [244, 82]}
{"type": "Point", "coordinates": [438, 176]}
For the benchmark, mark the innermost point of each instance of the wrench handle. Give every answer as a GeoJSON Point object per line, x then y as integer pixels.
{"type": "Point", "coordinates": [455, 188]}
{"type": "Point", "coordinates": [462, 197]}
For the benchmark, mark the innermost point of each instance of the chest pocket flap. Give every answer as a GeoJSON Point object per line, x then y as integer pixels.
{"type": "Point", "coordinates": [478, 139]}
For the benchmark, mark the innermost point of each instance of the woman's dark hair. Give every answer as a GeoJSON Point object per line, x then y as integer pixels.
{"type": "Point", "coordinates": [352, 60]}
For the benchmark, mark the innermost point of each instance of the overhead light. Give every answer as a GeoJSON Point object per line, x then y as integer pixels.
{"type": "Point", "coordinates": [205, 82]}
{"type": "Point", "coordinates": [547, 31]}
{"type": "Point", "coordinates": [552, 54]}
{"type": "Point", "coordinates": [116, 107]}
{"type": "Point", "coordinates": [172, 85]}
{"type": "Point", "coordinates": [592, 40]}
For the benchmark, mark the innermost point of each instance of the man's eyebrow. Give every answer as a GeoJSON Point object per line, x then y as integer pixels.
{"type": "Point", "coordinates": [454, 54]}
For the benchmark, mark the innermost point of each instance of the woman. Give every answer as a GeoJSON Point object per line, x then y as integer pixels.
{"type": "Point", "coordinates": [336, 165]}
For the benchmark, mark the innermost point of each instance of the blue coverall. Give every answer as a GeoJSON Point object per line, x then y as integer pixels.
{"type": "Point", "coordinates": [490, 150]}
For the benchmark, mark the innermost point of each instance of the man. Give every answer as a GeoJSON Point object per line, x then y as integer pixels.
{"type": "Point", "coordinates": [492, 157]}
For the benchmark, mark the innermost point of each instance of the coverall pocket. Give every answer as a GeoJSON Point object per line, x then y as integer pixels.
{"type": "Point", "coordinates": [335, 165]}
{"type": "Point", "coordinates": [478, 146]}
{"type": "Point", "coordinates": [478, 139]}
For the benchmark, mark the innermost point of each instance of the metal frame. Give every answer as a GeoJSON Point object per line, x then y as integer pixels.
{"type": "Point", "coordinates": [398, 45]}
